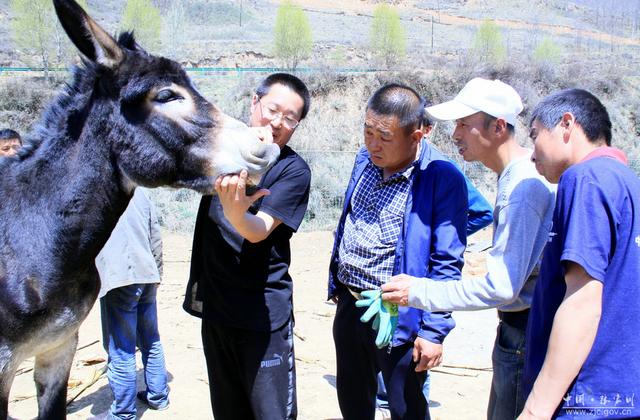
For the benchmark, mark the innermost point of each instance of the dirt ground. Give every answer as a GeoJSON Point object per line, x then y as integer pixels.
{"type": "Point", "coordinates": [459, 388]}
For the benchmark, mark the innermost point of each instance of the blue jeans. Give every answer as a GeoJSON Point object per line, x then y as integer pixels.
{"type": "Point", "coordinates": [506, 400]}
{"type": "Point", "coordinates": [130, 316]}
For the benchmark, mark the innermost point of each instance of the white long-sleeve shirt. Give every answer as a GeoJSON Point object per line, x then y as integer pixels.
{"type": "Point", "coordinates": [521, 223]}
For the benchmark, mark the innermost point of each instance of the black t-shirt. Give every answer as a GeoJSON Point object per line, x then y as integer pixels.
{"type": "Point", "coordinates": [239, 283]}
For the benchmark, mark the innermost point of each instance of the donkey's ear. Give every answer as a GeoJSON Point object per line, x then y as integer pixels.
{"type": "Point", "coordinates": [92, 41]}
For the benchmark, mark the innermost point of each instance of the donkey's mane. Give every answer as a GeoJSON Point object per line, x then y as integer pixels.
{"type": "Point", "coordinates": [70, 102]}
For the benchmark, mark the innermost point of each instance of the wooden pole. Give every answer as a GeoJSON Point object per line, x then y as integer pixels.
{"type": "Point", "coordinates": [431, 34]}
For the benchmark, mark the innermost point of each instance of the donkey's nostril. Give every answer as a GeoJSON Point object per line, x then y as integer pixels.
{"type": "Point", "coordinates": [263, 154]}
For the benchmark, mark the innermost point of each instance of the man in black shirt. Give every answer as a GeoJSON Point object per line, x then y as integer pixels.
{"type": "Point", "coordinates": [239, 281]}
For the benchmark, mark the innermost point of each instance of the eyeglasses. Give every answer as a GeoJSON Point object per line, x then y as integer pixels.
{"type": "Point", "coordinates": [271, 113]}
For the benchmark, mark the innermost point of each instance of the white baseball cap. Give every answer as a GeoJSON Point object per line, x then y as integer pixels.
{"type": "Point", "coordinates": [493, 97]}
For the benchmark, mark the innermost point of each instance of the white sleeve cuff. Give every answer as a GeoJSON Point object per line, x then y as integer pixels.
{"type": "Point", "coordinates": [418, 292]}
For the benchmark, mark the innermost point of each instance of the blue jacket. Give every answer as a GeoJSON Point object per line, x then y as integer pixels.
{"type": "Point", "coordinates": [432, 242]}
{"type": "Point", "coordinates": [480, 213]}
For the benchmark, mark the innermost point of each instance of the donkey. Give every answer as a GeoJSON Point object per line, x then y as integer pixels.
{"type": "Point", "coordinates": [127, 118]}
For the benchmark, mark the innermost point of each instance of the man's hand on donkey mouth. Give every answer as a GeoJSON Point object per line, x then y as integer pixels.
{"type": "Point", "coordinates": [236, 180]}
{"type": "Point", "coordinates": [236, 196]}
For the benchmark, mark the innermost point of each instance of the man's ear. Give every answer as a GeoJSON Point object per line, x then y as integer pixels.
{"type": "Point", "coordinates": [501, 127]}
{"type": "Point", "coordinates": [568, 120]}
{"type": "Point", "coordinates": [567, 123]}
{"type": "Point", "coordinates": [417, 135]}
{"type": "Point", "coordinates": [254, 102]}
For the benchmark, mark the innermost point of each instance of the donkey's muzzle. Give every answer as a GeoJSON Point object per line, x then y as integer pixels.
{"type": "Point", "coordinates": [243, 147]}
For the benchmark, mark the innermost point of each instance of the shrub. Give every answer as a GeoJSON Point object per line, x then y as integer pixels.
{"type": "Point", "coordinates": [173, 30]}
{"type": "Point", "coordinates": [388, 41]}
{"type": "Point", "coordinates": [215, 13]}
{"type": "Point", "coordinates": [547, 52]}
{"type": "Point", "coordinates": [488, 43]}
{"type": "Point", "coordinates": [36, 30]}
{"type": "Point", "coordinates": [176, 209]}
{"type": "Point", "coordinates": [22, 101]}
{"type": "Point", "coordinates": [292, 34]}
{"type": "Point", "coordinates": [144, 19]}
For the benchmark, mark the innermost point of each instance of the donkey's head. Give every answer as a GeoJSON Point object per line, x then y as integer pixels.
{"type": "Point", "coordinates": [160, 130]}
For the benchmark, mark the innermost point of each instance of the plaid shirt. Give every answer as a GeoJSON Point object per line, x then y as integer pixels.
{"type": "Point", "coordinates": [373, 227]}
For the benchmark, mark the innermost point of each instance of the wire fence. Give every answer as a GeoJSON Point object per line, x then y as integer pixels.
{"type": "Point", "coordinates": [330, 169]}
{"type": "Point", "coordinates": [223, 71]}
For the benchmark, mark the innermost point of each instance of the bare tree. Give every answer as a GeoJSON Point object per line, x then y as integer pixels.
{"type": "Point", "coordinates": [36, 31]}
{"type": "Point", "coordinates": [173, 29]}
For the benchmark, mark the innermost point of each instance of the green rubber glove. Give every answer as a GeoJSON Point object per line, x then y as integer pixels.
{"type": "Point", "coordinates": [372, 300]}
{"type": "Point", "coordinates": [386, 316]}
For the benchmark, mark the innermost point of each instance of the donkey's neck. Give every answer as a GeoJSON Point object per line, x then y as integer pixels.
{"type": "Point", "coordinates": [95, 198]}
{"type": "Point", "coordinates": [86, 199]}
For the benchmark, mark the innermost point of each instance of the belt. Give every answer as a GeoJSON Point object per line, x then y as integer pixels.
{"type": "Point", "coordinates": [354, 292]}
{"type": "Point", "coordinates": [517, 319]}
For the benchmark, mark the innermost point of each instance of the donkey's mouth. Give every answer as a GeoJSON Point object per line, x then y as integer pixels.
{"type": "Point", "coordinates": [251, 185]}
{"type": "Point", "coordinates": [251, 189]}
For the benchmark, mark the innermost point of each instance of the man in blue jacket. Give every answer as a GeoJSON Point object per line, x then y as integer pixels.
{"type": "Point", "coordinates": [405, 212]}
{"type": "Point", "coordinates": [479, 216]}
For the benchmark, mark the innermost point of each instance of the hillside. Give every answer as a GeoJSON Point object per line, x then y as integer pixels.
{"type": "Point", "coordinates": [226, 33]}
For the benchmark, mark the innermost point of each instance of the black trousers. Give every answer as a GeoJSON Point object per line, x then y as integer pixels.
{"type": "Point", "coordinates": [359, 361]}
{"type": "Point", "coordinates": [251, 373]}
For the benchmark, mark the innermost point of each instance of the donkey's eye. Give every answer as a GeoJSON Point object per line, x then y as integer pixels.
{"type": "Point", "coordinates": [166, 95]}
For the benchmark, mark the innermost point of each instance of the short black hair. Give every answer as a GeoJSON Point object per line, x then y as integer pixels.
{"type": "Point", "coordinates": [588, 111]}
{"type": "Point", "coordinates": [290, 81]}
{"type": "Point", "coordinates": [9, 134]}
{"type": "Point", "coordinates": [488, 119]}
{"type": "Point", "coordinates": [426, 120]}
{"type": "Point", "coordinates": [400, 101]}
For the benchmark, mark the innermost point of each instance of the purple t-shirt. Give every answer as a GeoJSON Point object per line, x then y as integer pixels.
{"type": "Point", "coordinates": [596, 224]}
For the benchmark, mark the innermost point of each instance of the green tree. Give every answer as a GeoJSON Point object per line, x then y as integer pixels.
{"type": "Point", "coordinates": [37, 32]}
{"type": "Point", "coordinates": [387, 37]}
{"type": "Point", "coordinates": [144, 19]}
{"type": "Point", "coordinates": [338, 56]}
{"type": "Point", "coordinates": [292, 34]}
{"type": "Point", "coordinates": [488, 43]}
{"type": "Point", "coordinates": [388, 40]}
{"type": "Point", "coordinates": [547, 52]}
